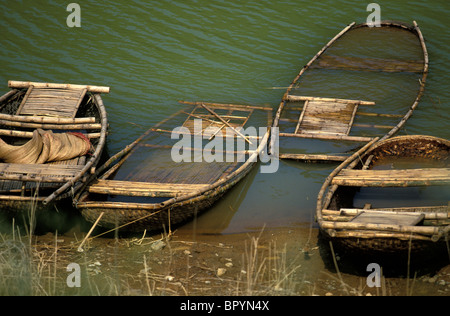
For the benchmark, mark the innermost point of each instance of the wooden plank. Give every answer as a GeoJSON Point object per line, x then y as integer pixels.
{"type": "Point", "coordinates": [312, 157]}
{"type": "Point", "coordinates": [430, 212]}
{"type": "Point", "coordinates": [296, 98]}
{"type": "Point", "coordinates": [35, 104]}
{"type": "Point", "coordinates": [328, 137]}
{"type": "Point", "coordinates": [426, 230]}
{"type": "Point", "coordinates": [395, 177]}
{"type": "Point", "coordinates": [145, 189]}
{"type": "Point", "coordinates": [41, 169]}
{"type": "Point", "coordinates": [388, 219]}
{"type": "Point", "coordinates": [368, 64]}
{"type": "Point", "coordinates": [326, 117]}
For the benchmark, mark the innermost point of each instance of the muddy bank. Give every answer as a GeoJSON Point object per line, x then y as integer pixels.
{"type": "Point", "coordinates": [271, 261]}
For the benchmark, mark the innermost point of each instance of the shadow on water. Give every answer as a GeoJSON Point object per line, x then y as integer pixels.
{"type": "Point", "coordinates": [62, 219]}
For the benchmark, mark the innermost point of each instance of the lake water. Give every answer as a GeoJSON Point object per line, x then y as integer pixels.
{"type": "Point", "coordinates": [154, 53]}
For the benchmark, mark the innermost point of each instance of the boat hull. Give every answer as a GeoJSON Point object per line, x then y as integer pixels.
{"type": "Point", "coordinates": [409, 198]}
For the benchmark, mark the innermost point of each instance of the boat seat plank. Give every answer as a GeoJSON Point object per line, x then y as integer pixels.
{"type": "Point", "coordinates": [388, 219]}
{"type": "Point", "coordinates": [144, 189]}
{"type": "Point", "coordinates": [396, 177]}
{"type": "Point", "coordinates": [326, 116]}
{"type": "Point", "coordinates": [368, 64]}
{"type": "Point", "coordinates": [51, 102]}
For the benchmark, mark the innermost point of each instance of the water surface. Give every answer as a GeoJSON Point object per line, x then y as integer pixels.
{"type": "Point", "coordinates": [154, 53]}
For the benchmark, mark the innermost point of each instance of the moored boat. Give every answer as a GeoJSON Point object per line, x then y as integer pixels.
{"type": "Point", "coordinates": [364, 83]}
{"type": "Point", "coordinates": [158, 181]}
{"type": "Point", "coordinates": [51, 136]}
{"type": "Point", "coordinates": [389, 197]}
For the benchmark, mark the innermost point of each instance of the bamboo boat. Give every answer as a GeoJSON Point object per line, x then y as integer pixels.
{"type": "Point", "coordinates": [389, 197]}
{"type": "Point", "coordinates": [144, 188]}
{"type": "Point", "coordinates": [38, 166]}
{"type": "Point", "coordinates": [364, 83]}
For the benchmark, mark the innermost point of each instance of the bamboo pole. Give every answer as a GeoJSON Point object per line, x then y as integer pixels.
{"type": "Point", "coordinates": [313, 157]}
{"type": "Point", "coordinates": [243, 152]}
{"type": "Point", "coordinates": [426, 230]}
{"type": "Point", "coordinates": [379, 234]}
{"type": "Point", "coordinates": [36, 178]}
{"type": "Point", "coordinates": [225, 122]}
{"type": "Point", "coordinates": [50, 126]}
{"type": "Point", "coordinates": [21, 198]}
{"type": "Point", "coordinates": [67, 86]}
{"type": "Point", "coordinates": [396, 177]}
{"type": "Point", "coordinates": [12, 133]}
{"type": "Point", "coordinates": [24, 100]}
{"type": "Point", "coordinates": [351, 212]}
{"type": "Point", "coordinates": [159, 130]}
{"type": "Point", "coordinates": [421, 89]}
{"type": "Point", "coordinates": [328, 136]}
{"type": "Point", "coordinates": [296, 98]}
{"type": "Point", "coordinates": [228, 105]}
{"type": "Point", "coordinates": [80, 247]}
{"type": "Point", "coordinates": [46, 119]}
{"type": "Point", "coordinates": [8, 94]}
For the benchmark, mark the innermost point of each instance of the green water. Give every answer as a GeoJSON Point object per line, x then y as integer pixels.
{"type": "Point", "coordinates": [154, 53]}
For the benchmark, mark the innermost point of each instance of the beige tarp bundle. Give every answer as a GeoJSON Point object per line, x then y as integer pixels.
{"type": "Point", "coordinates": [46, 146]}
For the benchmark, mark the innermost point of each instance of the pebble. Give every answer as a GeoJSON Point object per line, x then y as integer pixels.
{"type": "Point", "coordinates": [169, 278]}
{"type": "Point", "coordinates": [158, 245]}
{"type": "Point", "coordinates": [221, 271]}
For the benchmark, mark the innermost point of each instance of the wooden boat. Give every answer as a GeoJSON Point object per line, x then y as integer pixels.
{"type": "Point", "coordinates": [147, 189]}
{"type": "Point", "coordinates": [365, 83]}
{"type": "Point", "coordinates": [34, 117]}
{"type": "Point", "coordinates": [391, 198]}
